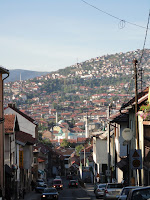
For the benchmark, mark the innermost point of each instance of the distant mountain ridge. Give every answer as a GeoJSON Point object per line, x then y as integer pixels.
{"type": "Point", "coordinates": [17, 74]}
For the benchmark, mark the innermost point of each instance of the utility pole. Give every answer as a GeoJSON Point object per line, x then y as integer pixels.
{"type": "Point", "coordinates": [136, 103]}
{"type": "Point", "coordinates": [108, 143]}
{"type": "Point", "coordinates": [136, 117]}
{"type": "Point", "coordinates": [141, 79]}
{"type": "Point", "coordinates": [84, 158]}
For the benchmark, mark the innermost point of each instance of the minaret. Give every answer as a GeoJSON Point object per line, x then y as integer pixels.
{"type": "Point", "coordinates": [56, 117]}
{"type": "Point", "coordinates": [20, 77]}
{"type": "Point", "coordinates": [87, 127]}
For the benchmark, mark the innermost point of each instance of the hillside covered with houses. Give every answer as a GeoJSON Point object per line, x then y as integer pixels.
{"type": "Point", "coordinates": [62, 123]}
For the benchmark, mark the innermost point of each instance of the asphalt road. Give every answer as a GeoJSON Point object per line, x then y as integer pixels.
{"type": "Point", "coordinates": [65, 194]}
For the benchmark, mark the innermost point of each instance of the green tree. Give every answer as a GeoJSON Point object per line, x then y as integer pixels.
{"type": "Point", "coordinates": [65, 143]}
{"type": "Point", "coordinates": [78, 148]}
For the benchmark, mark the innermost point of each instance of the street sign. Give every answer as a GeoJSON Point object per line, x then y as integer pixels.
{"type": "Point", "coordinates": [136, 159]}
{"type": "Point", "coordinates": [108, 172]}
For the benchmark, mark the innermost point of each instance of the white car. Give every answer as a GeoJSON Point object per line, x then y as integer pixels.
{"type": "Point", "coordinates": [113, 190]}
{"type": "Point", "coordinates": [99, 191]}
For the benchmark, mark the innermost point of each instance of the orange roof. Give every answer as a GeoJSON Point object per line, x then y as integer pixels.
{"type": "Point", "coordinates": [9, 123]}
{"type": "Point", "coordinates": [40, 160]}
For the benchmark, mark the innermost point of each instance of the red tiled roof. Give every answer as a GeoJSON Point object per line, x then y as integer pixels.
{"type": "Point", "coordinates": [72, 140]}
{"type": "Point", "coordinates": [25, 137]}
{"type": "Point", "coordinates": [87, 149]}
{"type": "Point", "coordinates": [9, 123]}
{"type": "Point", "coordinates": [81, 139]}
{"type": "Point", "coordinates": [77, 130]}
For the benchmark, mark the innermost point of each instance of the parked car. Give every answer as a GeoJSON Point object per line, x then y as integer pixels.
{"type": "Point", "coordinates": [40, 186]}
{"type": "Point", "coordinates": [99, 191]}
{"type": "Point", "coordinates": [112, 190]}
{"type": "Point", "coordinates": [57, 183]}
{"type": "Point", "coordinates": [50, 193]}
{"type": "Point", "coordinates": [57, 177]}
{"type": "Point", "coordinates": [73, 183]}
{"type": "Point", "coordinates": [125, 191]}
{"type": "Point", "coordinates": [142, 193]}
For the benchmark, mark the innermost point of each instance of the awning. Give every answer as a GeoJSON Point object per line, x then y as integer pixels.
{"type": "Point", "coordinates": [123, 164]}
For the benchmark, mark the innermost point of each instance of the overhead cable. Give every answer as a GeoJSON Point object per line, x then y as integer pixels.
{"type": "Point", "coordinates": [121, 20]}
{"type": "Point", "coordinates": [141, 70]}
{"type": "Point", "coordinates": [145, 38]}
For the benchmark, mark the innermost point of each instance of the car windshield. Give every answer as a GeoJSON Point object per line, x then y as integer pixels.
{"type": "Point", "coordinates": [50, 190]}
{"type": "Point", "coordinates": [57, 182]}
{"type": "Point", "coordinates": [141, 194]}
{"type": "Point", "coordinates": [125, 191]}
{"type": "Point", "coordinates": [41, 183]}
{"type": "Point", "coordinates": [101, 186]}
{"type": "Point", "coordinates": [115, 186]}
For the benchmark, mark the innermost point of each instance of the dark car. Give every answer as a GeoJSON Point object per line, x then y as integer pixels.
{"type": "Point", "coordinates": [139, 194]}
{"type": "Point", "coordinates": [69, 177]}
{"type": "Point", "coordinates": [57, 183]}
{"type": "Point", "coordinates": [50, 193]}
{"type": "Point", "coordinates": [126, 190]}
{"type": "Point", "coordinates": [73, 183]}
{"type": "Point", "coordinates": [40, 186]}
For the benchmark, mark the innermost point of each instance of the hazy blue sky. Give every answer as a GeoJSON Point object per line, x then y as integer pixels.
{"type": "Point", "coordinates": [46, 35]}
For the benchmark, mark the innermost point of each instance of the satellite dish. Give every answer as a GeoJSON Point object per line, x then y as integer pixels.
{"type": "Point", "coordinates": [127, 134]}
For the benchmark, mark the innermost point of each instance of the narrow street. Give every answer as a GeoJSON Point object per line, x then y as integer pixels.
{"type": "Point", "coordinates": [67, 193]}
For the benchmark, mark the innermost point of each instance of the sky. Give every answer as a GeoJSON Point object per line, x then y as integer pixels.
{"type": "Point", "coordinates": [47, 35]}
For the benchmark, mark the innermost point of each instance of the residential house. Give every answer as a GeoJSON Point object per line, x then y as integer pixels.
{"type": "Point", "coordinates": [26, 123]}
{"type": "Point", "coordinates": [66, 153]}
{"type": "Point", "coordinates": [4, 73]}
{"type": "Point", "coordinates": [10, 154]}
{"type": "Point", "coordinates": [28, 129]}
{"type": "Point", "coordinates": [140, 140]}
{"type": "Point", "coordinates": [18, 157]}
{"type": "Point", "coordinates": [24, 159]}
{"type": "Point", "coordinates": [100, 156]}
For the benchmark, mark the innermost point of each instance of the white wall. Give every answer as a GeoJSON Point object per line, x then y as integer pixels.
{"type": "Point", "coordinates": [100, 151]}
{"type": "Point", "coordinates": [7, 150]}
{"type": "Point", "coordinates": [27, 157]}
{"type": "Point", "coordinates": [24, 124]}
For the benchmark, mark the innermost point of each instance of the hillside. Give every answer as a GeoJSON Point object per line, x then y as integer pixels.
{"type": "Point", "coordinates": [107, 78]}
{"type": "Point", "coordinates": [16, 74]}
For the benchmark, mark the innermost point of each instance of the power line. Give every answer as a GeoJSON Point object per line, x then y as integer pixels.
{"type": "Point", "coordinates": [145, 37]}
{"type": "Point", "coordinates": [141, 70]}
{"type": "Point", "coordinates": [121, 20]}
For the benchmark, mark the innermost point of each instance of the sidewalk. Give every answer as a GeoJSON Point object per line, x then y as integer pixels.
{"type": "Point", "coordinates": [31, 196]}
